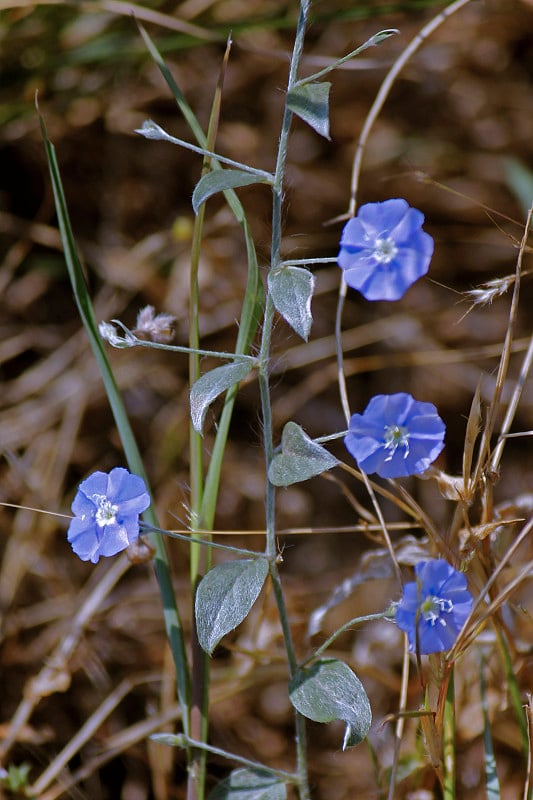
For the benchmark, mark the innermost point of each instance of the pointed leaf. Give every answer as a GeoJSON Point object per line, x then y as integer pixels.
{"type": "Point", "coordinates": [300, 458]}
{"type": "Point", "coordinates": [225, 596]}
{"type": "Point", "coordinates": [492, 783]}
{"type": "Point", "coordinates": [310, 101]}
{"type": "Point", "coordinates": [209, 386]}
{"type": "Point", "coordinates": [172, 739]}
{"type": "Point", "coordinates": [151, 130]}
{"type": "Point", "coordinates": [329, 690]}
{"type": "Point", "coordinates": [520, 181]}
{"type": "Point", "coordinates": [292, 291]}
{"type": "Point", "coordinates": [220, 180]}
{"type": "Point", "coordinates": [249, 784]}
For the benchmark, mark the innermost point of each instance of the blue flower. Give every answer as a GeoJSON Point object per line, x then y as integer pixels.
{"type": "Point", "coordinates": [435, 607]}
{"type": "Point", "coordinates": [384, 249]}
{"type": "Point", "coordinates": [395, 436]}
{"type": "Point", "coordinates": [107, 508]}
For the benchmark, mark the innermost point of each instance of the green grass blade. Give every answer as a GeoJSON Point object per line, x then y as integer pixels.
{"type": "Point", "coordinates": [448, 741]}
{"type": "Point", "coordinates": [251, 314]}
{"type": "Point", "coordinates": [253, 302]}
{"type": "Point", "coordinates": [513, 688]}
{"type": "Point", "coordinates": [133, 456]}
{"type": "Point", "coordinates": [190, 119]}
{"type": "Point", "coordinates": [491, 776]}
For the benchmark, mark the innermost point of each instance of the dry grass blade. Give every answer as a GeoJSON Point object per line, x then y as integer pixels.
{"type": "Point", "coordinates": [472, 431]}
{"type": "Point", "coordinates": [483, 459]}
{"type": "Point", "coordinates": [88, 729]}
{"type": "Point", "coordinates": [55, 675]}
{"type": "Point", "coordinates": [129, 202]}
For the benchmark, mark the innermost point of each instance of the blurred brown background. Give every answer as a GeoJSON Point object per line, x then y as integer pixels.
{"type": "Point", "coordinates": [460, 115]}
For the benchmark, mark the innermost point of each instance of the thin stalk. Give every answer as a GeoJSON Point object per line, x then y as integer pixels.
{"type": "Point", "coordinates": [200, 558]}
{"type": "Point", "coordinates": [181, 740]}
{"type": "Point", "coordinates": [187, 537]}
{"type": "Point", "coordinates": [130, 340]}
{"type": "Point", "coordinates": [385, 88]}
{"type": "Point", "coordinates": [448, 741]}
{"type": "Point", "coordinates": [195, 438]}
{"type": "Point", "coordinates": [400, 724]}
{"type": "Point", "coordinates": [150, 130]}
{"type": "Point", "coordinates": [492, 784]}
{"type": "Point", "coordinates": [372, 42]}
{"type": "Point", "coordinates": [371, 118]}
{"type": "Point", "coordinates": [346, 627]}
{"type": "Point", "coordinates": [264, 386]}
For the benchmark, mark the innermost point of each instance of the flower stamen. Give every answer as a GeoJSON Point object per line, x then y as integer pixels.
{"type": "Point", "coordinates": [396, 436]}
{"type": "Point", "coordinates": [385, 250]}
{"type": "Point", "coordinates": [434, 607]}
{"type": "Point", "coordinates": [106, 513]}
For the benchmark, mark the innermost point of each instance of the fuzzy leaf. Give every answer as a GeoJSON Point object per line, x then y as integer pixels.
{"type": "Point", "coordinates": [292, 291]}
{"type": "Point", "coordinates": [249, 784]}
{"type": "Point", "coordinates": [151, 130]}
{"type": "Point", "coordinates": [211, 385]}
{"type": "Point", "coordinates": [310, 101]}
{"type": "Point", "coordinates": [520, 181]}
{"type": "Point", "coordinates": [300, 458]}
{"type": "Point", "coordinates": [220, 180]}
{"type": "Point", "coordinates": [225, 596]}
{"type": "Point", "coordinates": [329, 690]}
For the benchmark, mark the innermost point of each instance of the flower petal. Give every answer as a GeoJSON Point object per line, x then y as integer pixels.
{"type": "Point", "coordinates": [383, 250]}
{"type": "Point", "coordinates": [384, 217]}
{"type": "Point", "coordinates": [435, 608]}
{"type": "Point", "coordinates": [396, 436]}
{"type": "Point", "coordinates": [83, 536]}
{"type": "Point", "coordinates": [107, 509]}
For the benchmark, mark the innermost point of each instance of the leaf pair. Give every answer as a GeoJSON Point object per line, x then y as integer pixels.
{"type": "Point", "coordinates": [326, 691]}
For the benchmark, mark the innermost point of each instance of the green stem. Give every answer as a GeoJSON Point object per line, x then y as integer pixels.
{"type": "Point", "coordinates": [448, 741]}
{"type": "Point", "coordinates": [130, 340]}
{"type": "Point", "coordinates": [264, 355]}
{"type": "Point", "coordinates": [200, 558]}
{"type": "Point", "coordinates": [180, 740]}
{"type": "Point", "coordinates": [185, 537]}
{"type": "Point", "coordinates": [150, 130]}
{"type": "Point", "coordinates": [372, 42]}
{"type": "Point", "coordinates": [195, 439]}
{"type": "Point", "coordinates": [347, 625]}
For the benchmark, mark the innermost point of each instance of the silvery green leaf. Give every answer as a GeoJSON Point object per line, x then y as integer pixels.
{"type": "Point", "coordinates": [329, 690]}
{"type": "Point", "coordinates": [172, 739]}
{"type": "Point", "coordinates": [211, 385]}
{"type": "Point", "coordinates": [310, 101]}
{"type": "Point", "coordinates": [249, 784]}
{"type": "Point", "coordinates": [520, 181]}
{"type": "Point", "coordinates": [300, 458]}
{"type": "Point", "coordinates": [379, 37]}
{"type": "Point", "coordinates": [225, 596]}
{"type": "Point", "coordinates": [220, 180]}
{"type": "Point", "coordinates": [151, 130]}
{"type": "Point", "coordinates": [291, 290]}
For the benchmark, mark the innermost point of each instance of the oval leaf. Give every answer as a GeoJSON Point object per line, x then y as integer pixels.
{"type": "Point", "coordinates": [219, 180]}
{"type": "Point", "coordinates": [225, 596]}
{"type": "Point", "coordinates": [292, 290]}
{"type": "Point", "coordinates": [300, 458]}
{"type": "Point", "coordinates": [249, 784]}
{"type": "Point", "coordinates": [209, 386]}
{"type": "Point", "coordinates": [329, 690]}
{"type": "Point", "coordinates": [310, 102]}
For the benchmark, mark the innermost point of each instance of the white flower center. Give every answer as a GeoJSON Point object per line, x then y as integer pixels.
{"type": "Point", "coordinates": [106, 512]}
{"type": "Point", "coordinates": [396, 436]}
{"type": "Point", "coordinates": [434, 607]}
{"type": "Point", "coordinates": [384, 250]}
